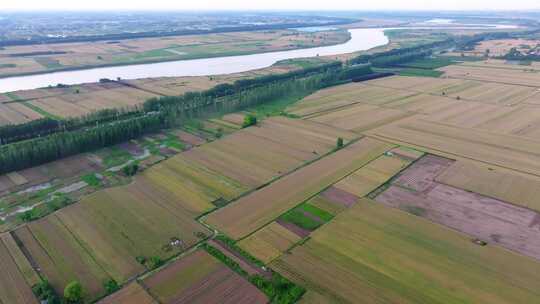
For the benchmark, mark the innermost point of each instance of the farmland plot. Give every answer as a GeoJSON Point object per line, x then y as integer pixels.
{"type": "Point", "coordinates": [360, 117]}
{"type": "Point", "coordinates": [503, 184]}
{"type": "Point", "coordinates": [60, 256]}
{"type": "Point", "coordinates": [255, 210]}
{"type": "Point", "coordinates": [120, 224]}
{"type": "Point", "coordinates": [371, 176]}
{"type": "Point", "coordinates": [269, 242]}
{"type": "Point", "coordinates": [13, 287]}
{"type": "Point", "coordinates": [496, 93]}
{"type": "Point", "coordinates": [72, 105]}
{"type": "Point", "coordinates": [201, 278]}
{"type": "Point", "coordinates": [257, 154]}
{"type": "Point", "coordinates": [188, 185]}
{"type": "Point", "coordinates": [504, 150]}
{"type": "Point", "coordinates": [508, 76]}
{"type": "Point", "coordinates": [131, 294]}
{"type": "Point", "coordinates": [345, 95]}
{"type": "Point", "coordinates": [16, 114]}
{"type": "Point", "coordinates": [18, 257]}
{"type": "Point", "coordinates": [387, 256]}
{"type": "Point", "coordinates": [416, 191]}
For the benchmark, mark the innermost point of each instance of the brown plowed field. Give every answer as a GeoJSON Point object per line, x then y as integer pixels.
{"type": "Point", "coordinates": [131, 294]}
{"type": "Point", "coordinates": [13, 287]}
{"type": "Point", "coordinates": [494, 221]}
{"type": "Point", "coordinates": [503, 184]}
{"type": "Point", "coordinates": [200, 278]}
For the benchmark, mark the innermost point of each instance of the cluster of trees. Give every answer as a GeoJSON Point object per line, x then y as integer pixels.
{"type": "Point", "coordinates": [33, 152]}
{"type": "Point", "coordinates": [249, 120]}
{"type": "Point", "coordinates": [73, 293]}
{"type": "Point", "coordinates": [514, 54]}
{"type": "Point", "coordinates": [401, 55]}
{"type": "Point", "coordinates": [278, 288]}
{"type": "Point", "coordinates": [46, 126]}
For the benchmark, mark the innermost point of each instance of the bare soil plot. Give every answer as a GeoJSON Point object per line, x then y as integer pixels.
{"type": "Point", "coordinates": [494, 221]}
{"type": "Point", "coordinates": [60, 256]}
{"type": "Point", "coordinates": [255, 210]}
{"type": "Point", "coordinates": [131, 294]}
{"type": "Point", "coordinates": [13, 287]}
{"type": "Point", "coordinates": [492, 181]}
{"type": "Point", "coordinates": [200, 278]}
{"type": "Point", "coordinates": [387, 256]}
{"type": "Point", "coordinates": [269, 242]}
{"type": "Point", "coordinates": [508, 76]}
{"type": "Point", "coordinates": [338, 196]}
{"type": "Point", "coordinates": [504, 150]}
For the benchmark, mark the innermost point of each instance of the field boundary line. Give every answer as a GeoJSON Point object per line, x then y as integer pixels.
{"type": "Point", "coordinates": [312, 196]}
{"type": "Point", "coordinates": [442, 153]}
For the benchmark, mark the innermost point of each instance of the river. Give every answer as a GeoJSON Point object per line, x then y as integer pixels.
{"type": "Point", "coordinates": [361, 39]}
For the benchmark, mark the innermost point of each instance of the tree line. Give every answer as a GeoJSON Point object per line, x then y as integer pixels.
{"type": "Point", "coordinates": [111, 127]}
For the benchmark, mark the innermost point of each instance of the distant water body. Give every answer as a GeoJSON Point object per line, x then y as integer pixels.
{"type": "Point", "coordinates": [361, 40]}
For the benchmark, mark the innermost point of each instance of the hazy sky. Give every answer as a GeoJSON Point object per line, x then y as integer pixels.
{"type": "Point", "coordinates": [270, 4]}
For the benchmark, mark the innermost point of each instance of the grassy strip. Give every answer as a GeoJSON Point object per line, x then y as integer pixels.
{"type": "Point", "coordinates": [298, 216]}
{"type": "Point", "coordinates": [419, 72]}
{"type": "Point", "coordinates": [429, 63]}
{"type": "Point", "coordinates": [278, 288]}
{"type": "Point", "coordinates": [41, 111]}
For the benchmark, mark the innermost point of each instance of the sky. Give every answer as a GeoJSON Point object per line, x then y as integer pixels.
{"type": "Point", "coordinates": [269, 4]}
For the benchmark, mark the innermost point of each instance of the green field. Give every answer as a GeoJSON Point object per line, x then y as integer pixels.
{"type": "Point", "coordinates": [305, 216]}
{"type": "Point", "coordinates": [381, 255]}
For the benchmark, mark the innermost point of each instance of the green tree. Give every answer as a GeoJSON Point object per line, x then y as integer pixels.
{"type": "Point", "coordinates": [339, 143]}
{"type": "Point", "coordinates": [111, 286]}
{"type": "Point", "coordinates": [131, 169]}
{"type": "Point", "coordinates": [44, 292]}
{"type": "Point", "coordinates": [154, 262]}
{"type": "Point", "coordinates": [73, 293]}
{"type": "Point", "coordinates": [249, 120]}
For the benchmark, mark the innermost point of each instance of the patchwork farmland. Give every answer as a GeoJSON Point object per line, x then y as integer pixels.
{"type": "Point", "coordinates": [404, 189]}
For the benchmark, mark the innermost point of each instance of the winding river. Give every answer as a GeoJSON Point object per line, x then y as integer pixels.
{"type": "Point", "coordinates": [361, 39]}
